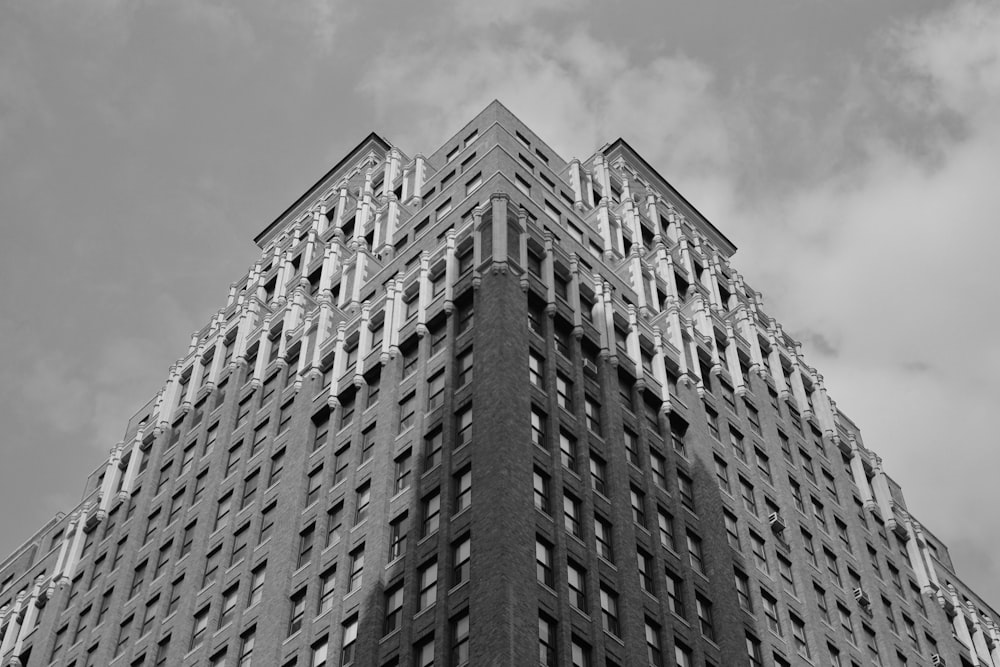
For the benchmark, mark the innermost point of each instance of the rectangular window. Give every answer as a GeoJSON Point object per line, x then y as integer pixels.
{"type": "Point", "coordinates": [541, 492]}
{"type": "Point", "coordinates": [357, 558]}
{"type": "Point", "coordinates": [543, 563]}
{"type": "Point", "coordinates": [393, 609]}
{"type": "Point", "coordinates": [464, 372]}
{"type": "Point", "coordinates": [576, 579]}
{"type": "Point", "coordinates": [427, 577]}
{"type": "Point", "coordinates": [609, 612]}
{"type": "Point", "coordinates": [431, 513]}
{"type": "Point", "coordinates": [602, 536]}
{"type": "Point", "coordinates": [363, 498]}
{"type": "Point", "coordinates": [401, 475]}
{"type": "Point", "coordinates": [306, 540]}
{"type": "Point", "coordinates": [460, 641]}
{"type": "Point", "coordinates": [536, 370]}
{"type": "Point", "coordinates": [463, 490]}
{"type": "Point", "coordinates": [327, 589]}
{"type": "Point", "coordinates": [568, 451]}
{"type": "Point", "coordinates": [397, 537]}
{"type": "Point", "coordinates": [705, 622]}
{"type": "Point", "coordinates": [460, 554]}
{"type": "Point", "coordinates": [598, 475]}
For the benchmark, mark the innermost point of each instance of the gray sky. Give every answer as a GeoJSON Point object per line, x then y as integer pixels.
{"type": "Point", "coordinates": [851, 149]}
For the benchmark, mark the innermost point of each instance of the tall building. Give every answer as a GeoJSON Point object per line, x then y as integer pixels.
{"type": "Point", "coordinates": [488, 407]}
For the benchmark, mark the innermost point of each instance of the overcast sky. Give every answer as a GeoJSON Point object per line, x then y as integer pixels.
{"type": "Point", "coordinates": [850, 148]}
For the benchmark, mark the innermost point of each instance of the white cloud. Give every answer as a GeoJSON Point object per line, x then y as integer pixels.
{"type": "Point", "coordinates": [492, 13]}
{"type": "Point", "coordinates": [870, 221]}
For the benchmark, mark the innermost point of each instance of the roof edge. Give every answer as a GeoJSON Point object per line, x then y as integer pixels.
{"type": "Point", "coordinates": [371, 138]}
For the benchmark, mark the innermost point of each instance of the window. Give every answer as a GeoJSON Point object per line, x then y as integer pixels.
{"type": "Point", "coordinates": [541, 492]}
{"type": "Point", "coordinates": [397, 537]}
{"type": "Point", "coordinates": [763, 465]}
{"type": "Point", "coordinates": [686, 490]}
{"type": "Point", "coordinates": [363, 498]}
{"type": "Point", "coordinates": [682, 655]}
{"type": "Point", "coordinates": [367, 445]}
{"type": "Point", "coordinates": [846, 623]}
{"type": "Point", "coordinates": [313, 485]}
{"type": "Point", "coordinates": [759, 553]}
{"type": "Point", "coordinates": [543, 563]}
{"type": "Point", "coordinates": [579, 653]}
{"type": "Point", "coordinates": [576, 579]}
{"type": "Point", "coordinates": [257, 584]}
{"type": "Point", "coordinates": [297, 612]}
{"type": "Point", "coordinates": [357, 558]}
{"type": "Point", "coordinates": [427, 577]}
{"type": "Point", "coordinates": [736, 441]}
{"type": "Point", "coordinates": [350, 630]}
{"type": "Point", "coordinates": [410, 352]}
{"type": "Point", "coordinates": [602, 536]}
{"type": "Point", "coordinates": [536, 370]}
{"type": "Point", "coordinates": [770, 605]}
{"type": "Point", "coordinates": [320, 428]}
{"type": "Point", "coordinates": [787, 578]}
{"type": "Point", "coordinates": [407, 412]}
{"type": "Point", "coordinates": [732, 530]}
{"type": "Point", "coordinates": [431, 513]}
{"type": "Point", "coordinates": [460, 640]}
{"type": "Point", "coordinates": [705, 623]}
{"type": "Point", "coordinates": [631, 447]}
{"type": "Point", "coordinates": [568, 451]}
{"type": "Point", "coordinates": [464, 363]}
{"type": "Point", "coordinates": [609, 612]}
{"type": "Point", "coordinates": [743, 591]}
{"type": "Point", "coordinates": [824, 610]}
{"type": "Point", "coordinates": [277, 466]}
{"type": "Point", "coordinates": [124, 637]}
{"type": "Point", "coordinates": [266, 523]}
{"type": "Point", "coordinates": [260, 434]}
{"type": "Point", "coordinates": [645, 565]}
{"type": "Point", "coordinates": [753, 651]}
{"type": "Point", "coordinates": [749, 499]}
{"type": "Point", "coordinates": [832, 567]}
{"type": "Point", "coordinates": [463, 490]}
{"type": "Point", "coordinates": [665, 524]}
{"type": "Point", "coordinates": [571, 515]}
{"type": "Point", "coordinates": [327, 589]}
{"type": "Point", "coordinates": [538, 427]}
{"type": "Point", "coordinates": [463, 425]}
{"type": "Point", "coordinates": [432, 449]}
{"type": "Point", "coordinates": [592, 411]}
{"type": "Point", "coordinates": [402, 473]}
{"type": "Point", "coordinates": [658, 466]}
{"type": "Point", "coordinates": [675, 594]}
{"type": "Point", "coordinates": [306, 539]}
{"type": "Point", "coordinates": [695, 556]}
{"type": "Point", "coordinates": [460, 554]}
{"type": "Point", "coordinates": [250, 488]}
{"type": "Point", "coordinates": [393, 609]}
{"type": "Point", "coordinates": [547, 642]}
{"type": "Point", "coordinates": [598, 475]}
{"type": "Point", "coordinates": [435, 391]}
{"type": "Point", "coordinates": [199, 630]}
{"type": "Point", "coordinates": [465, 316]}
{"type": "Point", "coordinates": [320, 652]}
{"type": "Point", "coordinates": [638, 502]}
{"type": "Point", "coordinates": [241, 539]}
{"type": "Point", "coordinates": [423, 653]}
{"type": "Point", "coordinates": [722, 475]}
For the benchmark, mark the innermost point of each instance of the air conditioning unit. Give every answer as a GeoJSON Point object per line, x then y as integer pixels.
{"type": "Point", "coordinates": [862, 597]}
{"type": "Point", "coordinates": [776, 522]}
{"type": "Point", "coordinates": [937, 660]}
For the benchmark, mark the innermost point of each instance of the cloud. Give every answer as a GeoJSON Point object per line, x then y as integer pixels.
{"type": "Point", "coordinates": [487, 12]}
{"type": "Point", "coordinates": [863, 206]}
